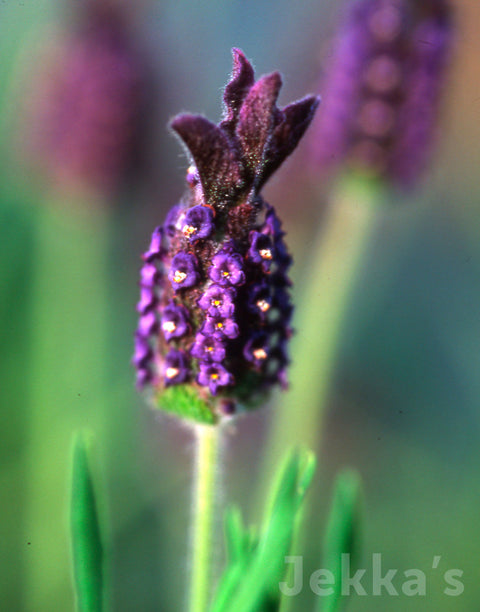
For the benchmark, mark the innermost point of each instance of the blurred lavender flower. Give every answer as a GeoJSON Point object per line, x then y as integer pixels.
{"type": "Point", "coordinates": [382, 89]}
{"type": "Point", "coordinates": [88, 105]}
{"type": "Point", "coordinates": [221, 289]}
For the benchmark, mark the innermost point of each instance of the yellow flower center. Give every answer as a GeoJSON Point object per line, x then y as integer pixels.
{"type": "Point", "coordinates": [216, 302]}
{"type": "Point", "coordinates": [219, 325]}
{"type": "Point", "coordinates": [265, 253]}
{"type": "Point", "coordinates": [263, 305]}
{"type": "Point", "coordinates": [169, 326]}
{"type": "Point", "coordinates": [171, 372]}
{"type": "Point", "coordinates": [259, 353]}
{"type": "Point", "coordinates": [179, 276]}
{"type": "Point", "coordinates": [188, 230]}
{"type": "Point", "coordinates": [214, 376]}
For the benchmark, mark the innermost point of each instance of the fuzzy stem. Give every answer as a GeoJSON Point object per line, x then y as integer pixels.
{"type": "Point", "coordinates": [203, 506]}
{"type": "Point", "coordinates": [337, 257]}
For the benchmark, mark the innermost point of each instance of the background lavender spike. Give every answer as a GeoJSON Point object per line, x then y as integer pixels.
{"type": "Point", "coordinates": [382, 89]}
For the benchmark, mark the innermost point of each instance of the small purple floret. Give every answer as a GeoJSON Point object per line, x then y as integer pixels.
{"type": "Point", "coordinates": [148, 275]}
{"type": "Point", "coordinates": [147, 324]}
{"type": "Point", "coordinates": [219, 327]}
{"type": "Point", "coordinates": [156, 249]}
{"type": "Point", "coordinates": [197, 223]}
{"type": "Point", "coordinates": [175, 368]}
{"type": "Point", "coordinates": [227, 269]}
{"type": "Point", "coordinates": [214, 375]}
{"type": "Point", "coordinates": [174, 321]}
{"type": "Point", "coordinates": [208, 348]}
{"type": "Point", "coordinates": [260, 300]}
{"type": "Point", "coordinates": [261, 249]}
{"type": "Point", "coordinates": [256, 350]}
{"type": "Point", "coordinates": [183, 271]}
{"type": "Point", "coordinates": [147, 300]}
{"type": "Point", "coordinates": [218, 301]}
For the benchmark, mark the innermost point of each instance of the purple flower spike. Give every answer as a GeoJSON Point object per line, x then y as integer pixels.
{"type": "Point", "coordinates": [220, 327]}
{"type": "Point", "coordinates": [174, 321]}
{"type": "Point", "coordinates": [261, 249]}
{"type": "Point", "coordinates": [227, 269]}
{"type": "Point", "coordinates": [218, 301]}
{"type": "Point", "coordinates": [175, 368]}
{"type": "Point", "coordinates": [183, 272]}
{"type": "Point", "coordinates": [214, 375]}
{"type": "Point", "coordinates": [208, 348]}
{"type": "Point", "coordinates": [383, 88]}
{"type": "Point", "coordinates": [226, 305]}
{"type": "Point", "coordinates": [256, 350]}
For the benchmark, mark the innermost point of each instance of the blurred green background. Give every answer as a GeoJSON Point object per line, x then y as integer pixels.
{"type": "Point", "coordinates": [404, 402]}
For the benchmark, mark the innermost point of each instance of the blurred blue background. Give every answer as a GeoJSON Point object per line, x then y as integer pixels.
{"type": "Point", "coordinates": [404, 401]}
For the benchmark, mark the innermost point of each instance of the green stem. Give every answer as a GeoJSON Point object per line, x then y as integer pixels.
{"type": "Point", "coordinates": [204, 489]}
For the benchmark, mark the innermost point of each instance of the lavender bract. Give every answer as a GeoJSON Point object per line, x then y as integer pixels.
{"type": "Point", "coordinates": [382, 90]}
{"type": "Point", "coordinates": [219, 287]}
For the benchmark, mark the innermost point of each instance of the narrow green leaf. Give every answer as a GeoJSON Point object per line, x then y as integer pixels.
{"type": "Point", "coordinates": [342, 535]}
{"type": "Point", "coordinates": [251, 580]}
{"type": "Point", "coordinates": [86, 542]}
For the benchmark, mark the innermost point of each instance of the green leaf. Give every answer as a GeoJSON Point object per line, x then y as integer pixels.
{"type": "Point", "coordinates": [256, 566]}
{"type": "Point", "coordinates": [184, 401]}
{"type": "Point", "coordinates": [342, 535]}
{"type": "Point", "coordinates": [87, 550]}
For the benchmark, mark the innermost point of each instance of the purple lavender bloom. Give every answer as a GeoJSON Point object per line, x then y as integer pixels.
{"type": "Point", "coordinates": [219, 327]}
{"type": "Point", "coordinates": [223, 247]}
{"type": "Point", "coordinates": [147, 300]}
{"type": "Point", "coordinates": [148, 275]}
{"type": "Point", "coordinates": [143, 352]}
{"type": "Point", "coordinates": [218, 301]}
{"type": "Point", "coordinates": [174, 321]}
{"type": "Point", "coordinates": [261, 249]}
{"type": "Point", "coordinates": [183, 271]}
{"type": "Point", "coordinates": [142, 359]}
{"type": "Point", "coordinates": [197, 223]}
{"type": "Point", "coordinates": [175, 367]}
{"type": "Point", "coordinates": [256, 350]}
{"type": "Point", "coordinates": [147, 324]}
{"type": "Point", "coordinates": [227, 269]}
{"type": "Point", "coordinates": [155, 250]}
{"type": "Point", "coordinates": [208, 348]}
{"type": "Point", "coordinates": [260, 299]}
{"type": "Point", "coordinates": [172, 220]}
{"type": "Point", "coordinates": [382, 91]}
{"type": "Point", "coordinates": [214, 375]}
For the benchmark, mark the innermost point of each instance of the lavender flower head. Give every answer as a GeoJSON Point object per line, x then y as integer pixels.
{"type": "Point", "coordinates": [87, 117]}
{"type": "Point", "coordinates": [382, 90]}
{"type": "Point", "coordinates": [219, 290]}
